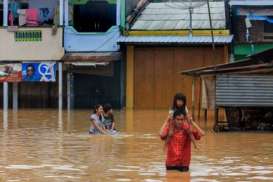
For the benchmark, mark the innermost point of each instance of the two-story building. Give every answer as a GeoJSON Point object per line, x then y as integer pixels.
{"type": "Point", "coordinates": [164, 37]}
{"type": "Point", "coordinates": [31, 33]}
{"type": "Point", "coordinates": [252, 26]}
{"type": "Point", "coordinates": [95, 69]}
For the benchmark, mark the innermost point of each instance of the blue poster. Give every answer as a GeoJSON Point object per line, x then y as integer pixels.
{"type": "Point", "coordinates": [39, 72]}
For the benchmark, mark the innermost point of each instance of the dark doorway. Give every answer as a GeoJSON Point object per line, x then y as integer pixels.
{"type": "Point", "coordinates": [92, 89]}
{"type": "Point", "coordinates": [94, 16]}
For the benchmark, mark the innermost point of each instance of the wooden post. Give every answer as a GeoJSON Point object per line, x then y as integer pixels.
{"type": "Point", "coordinates": [70, 91]}
{"type": "Point", "coordinates": [226, 58]}
{"type": "Point", "coordinates": [130, 78]}
{"type": "Point", "coordinates": [122, 84]}
{"type": "Point", "coordinates": [216, 119]}
{"type": "Point", "coordinates": [200, 99]}
{"type": "Point", "coordinates": [68, 87]}
{"type": "Point", "coordinates": [5, 13]}
{"type": "Point", "coordinates": [206, 115]}
{"type": "Point", "coordinates": [193, 97]}
{"type": "Point", "coordinates": [15, 96]}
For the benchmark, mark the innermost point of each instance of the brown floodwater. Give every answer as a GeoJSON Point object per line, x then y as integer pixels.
{"type": "Point", "coordinates": [42, 146]}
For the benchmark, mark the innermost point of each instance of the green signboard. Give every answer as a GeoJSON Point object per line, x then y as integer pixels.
{"type": "Point", "coordinates": [28, 36]}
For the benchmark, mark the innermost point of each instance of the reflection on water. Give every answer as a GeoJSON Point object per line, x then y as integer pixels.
{"type": "Point", "coordinates": [42, 145]}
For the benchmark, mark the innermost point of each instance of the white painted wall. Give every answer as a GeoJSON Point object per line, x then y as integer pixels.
{"type": "Point", "coordinates": [50, 48]}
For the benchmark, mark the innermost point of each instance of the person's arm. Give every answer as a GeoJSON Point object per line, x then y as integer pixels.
{"type": "Point", "coordinates": [188, 129]}
{"type": "Point", "coordinates": [113, 123]}
{"type": "Point", "coordinates": [192, 138]}
{"type": "Point", "coordinates": [164, 129]}
{"type": "Point", "coordinates": [195, 125]}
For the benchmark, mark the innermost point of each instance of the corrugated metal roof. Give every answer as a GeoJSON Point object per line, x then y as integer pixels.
{"type": "Point", "coordinates": [176, 16]}
{"type": "Point", "coordinates": [251, 3]}
{"type": "Point", "coordinates": [249, 90]}
{"type": "Point", "coordinates": [175, 39]}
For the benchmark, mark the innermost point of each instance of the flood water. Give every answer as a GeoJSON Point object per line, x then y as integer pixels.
{"type": "Point", "coordinates": [42, 146]}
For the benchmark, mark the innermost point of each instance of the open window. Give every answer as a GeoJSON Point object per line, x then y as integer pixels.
{"type": "Point", "coordinates": [33, 13]}
{"type": "Point", "coordinates": [92, 15]}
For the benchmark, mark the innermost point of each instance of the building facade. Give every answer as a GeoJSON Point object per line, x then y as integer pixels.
{"type": "Point", "coordinates": [165, 38]}
{"type": "Point", "coordinates": [252, 26]}
{"type": "Point", "coordinates": [31, 34]}
{"type": "Point", "coordinates": [95, 70]}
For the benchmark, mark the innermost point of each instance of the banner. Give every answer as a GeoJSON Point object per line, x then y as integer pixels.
{"type": "Point", "coordinates": [39, 72]}
{"type": "Point", "coordinates": [10, 72]}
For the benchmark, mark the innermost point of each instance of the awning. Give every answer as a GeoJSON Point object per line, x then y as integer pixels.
{"type": "Point", "coordinates": [95, 57]}
{"type": "Point", "coordinates": [175, 39]}
{"type": "Point", "coordinates": [248, 49]}
{"type": "Point", "coordinates": [95, 64]}
{"type": "Point", "coordinates": [261, 63]}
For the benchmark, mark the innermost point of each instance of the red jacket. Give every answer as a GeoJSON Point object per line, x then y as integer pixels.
{"type": "Point", "coordinates": [179, 145]}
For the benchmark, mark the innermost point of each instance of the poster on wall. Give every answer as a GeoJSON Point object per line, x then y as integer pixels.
{"type": "Point", "coordinates": [10, 72]}
{"type": "Point", "coordinates": [39, 72]}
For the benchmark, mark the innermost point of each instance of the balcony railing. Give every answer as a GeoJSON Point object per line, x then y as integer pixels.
{"type": "Point", "coordinates": [90, 41]}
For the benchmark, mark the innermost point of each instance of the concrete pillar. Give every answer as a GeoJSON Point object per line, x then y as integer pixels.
{"type": "Point", "coordinates": [5, 13]}
{"type": "Point", "coordinates": [60, 85]}
{"type": "Point", "coordinates": [66, 12]}
{"type": "Point", "coordinates": [61, 14]}
{"type": "Point", "coordinates": [5, 104]}
{"type": "Point", "coordinates": [118, 12]}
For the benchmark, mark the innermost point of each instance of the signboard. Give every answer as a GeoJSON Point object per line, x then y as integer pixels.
{"type": "Point", "coordinates": [28, 36]}
{"type": "Point", "coordinates": [10, 72]}
{"type": "Point", "coordinates": [39, 72]}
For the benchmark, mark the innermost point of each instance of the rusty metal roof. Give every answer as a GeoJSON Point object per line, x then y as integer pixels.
{"type": "Point", "coordinates": [176, 16]}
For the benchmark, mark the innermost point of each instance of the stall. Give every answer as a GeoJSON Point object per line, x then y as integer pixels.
{"type": "Point", "coordinates": [243, 89]}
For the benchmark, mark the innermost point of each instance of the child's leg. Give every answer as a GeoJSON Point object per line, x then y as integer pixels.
{"type": "Point", "coordinates": [193, 140]}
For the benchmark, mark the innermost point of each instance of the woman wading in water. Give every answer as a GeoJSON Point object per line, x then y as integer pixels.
{"type": "Point", "coordinates": [96, 119]}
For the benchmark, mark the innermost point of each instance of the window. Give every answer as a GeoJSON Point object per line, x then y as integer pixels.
{"type": "Point", "coordinates": [33, 13]}
{"type": "Point", "coordinates": [268, 27]}
{"type": "Point", "coordinates": [94, 16]}
{"type": "Point", "coordinates": [268, 30]}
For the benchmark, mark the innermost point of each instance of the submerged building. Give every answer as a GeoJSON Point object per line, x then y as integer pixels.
{"type": "Point", "coordinates": [163, 38]}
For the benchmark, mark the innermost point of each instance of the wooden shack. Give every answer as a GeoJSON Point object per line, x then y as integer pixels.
{"type": "Point", "coordinates": [244, 89]}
